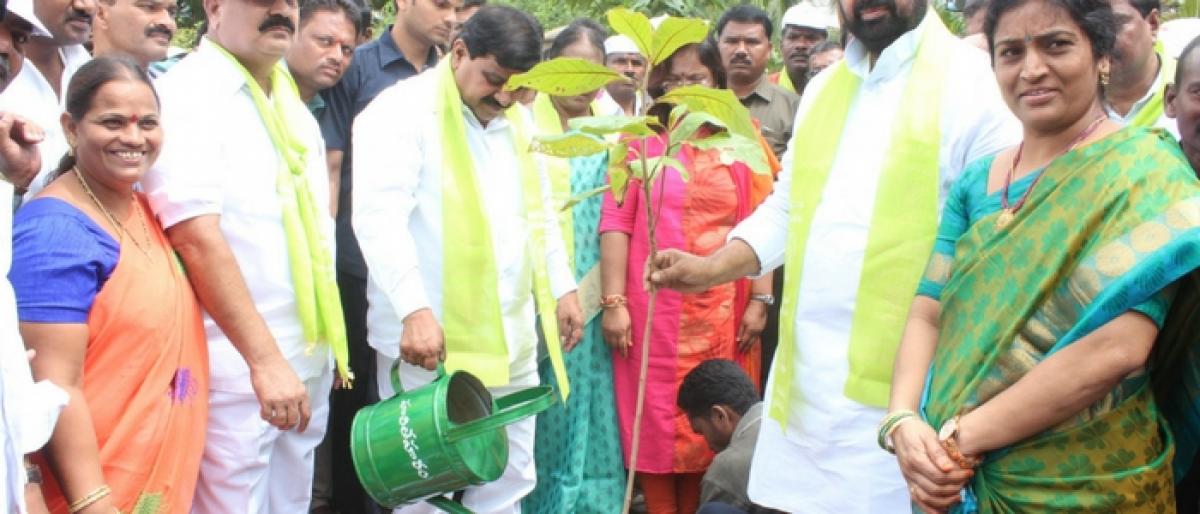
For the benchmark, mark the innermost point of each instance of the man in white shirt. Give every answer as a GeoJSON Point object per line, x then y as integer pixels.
{"type": "Point", "coordinates": [39, 90]}
{"type": "Point", "coordinates": [216, 190]}
{"type": "Point", "coordinates": [816, 450]}
{"type": "Point", "coordinates": [1140, 70]}
{"type": "Point", "coordinates": [622, 98]}
{"type": "Point", "coordinates": [28, 410]}
{"type": "Point", "coordinates": [402, 227]}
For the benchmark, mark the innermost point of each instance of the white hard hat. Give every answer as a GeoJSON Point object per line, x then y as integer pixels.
{"type": "Point", "coordinates": [24, 10]}
{"type": "Point", "coordinates": [809, 14]}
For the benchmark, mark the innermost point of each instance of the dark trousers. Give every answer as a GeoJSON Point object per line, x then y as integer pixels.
{"type": "Point", "coordinates": [345, 491]}
{"type": "Point", "coordinates": [770, 334]}
{"type": "Point", "coordinates": [719, 508]}
{"type": "Point", "coordinates": [1187, 492]}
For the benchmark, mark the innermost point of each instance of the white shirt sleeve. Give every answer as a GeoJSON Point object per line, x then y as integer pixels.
{"type": "Point", "coordinates": [765, 230]}
{"type": "Point", "coordinates": [185, 182]}
{"type": "Point", "coordinates": [562, 280]}
{"type": "Point", "coordinates": [387, 172]}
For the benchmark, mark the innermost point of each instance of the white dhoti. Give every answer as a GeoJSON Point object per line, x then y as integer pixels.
{"type": "Point", "coordinates": [252, 467]}
{"type": "Point", "coordinates": [504, 495]}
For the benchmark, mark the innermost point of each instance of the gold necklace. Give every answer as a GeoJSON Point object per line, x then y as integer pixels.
{"type": "Point", "coordinates": [121, 230]}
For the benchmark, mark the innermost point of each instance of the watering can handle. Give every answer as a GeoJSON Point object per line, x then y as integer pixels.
{"type": "Point", "coordinates": [448, 505]}
{"type": "Point", "coordinates": [398, 387]}
{"type": "Point", "coordinates": [512, 408]}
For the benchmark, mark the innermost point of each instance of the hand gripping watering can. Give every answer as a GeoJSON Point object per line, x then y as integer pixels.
{"type": "Point", "coordinates": [438, 438]}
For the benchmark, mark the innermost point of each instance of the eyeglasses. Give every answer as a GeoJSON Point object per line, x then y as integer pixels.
{"type": "Point", "coordinates": [674, 81]}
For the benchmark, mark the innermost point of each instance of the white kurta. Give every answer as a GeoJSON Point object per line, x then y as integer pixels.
{"type": "Point", "coordinates": [32, 96]}
{"type": "Point", "coordinates": [217, 159]}
{"type": "Point", "coordinates": [398, 222]}
{"type": "Point", "coordinates": [829, 462]}
{"type": "Point", "coordinates": [28, 410]}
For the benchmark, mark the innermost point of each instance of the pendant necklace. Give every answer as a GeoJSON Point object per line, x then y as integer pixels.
{"type": "Point", "coordinates": [121, 230]}
{"type": "Point", "coordinates": [1008, 212]}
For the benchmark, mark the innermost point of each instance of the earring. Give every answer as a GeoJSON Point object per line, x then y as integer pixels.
{"type": "Point", "coordinates": [71, 151]}
{"type": "Point", "coordinates": [1104, 78]}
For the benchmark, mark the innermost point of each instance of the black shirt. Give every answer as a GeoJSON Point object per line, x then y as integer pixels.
{"type": "Point", "coordinates": [376, 66]}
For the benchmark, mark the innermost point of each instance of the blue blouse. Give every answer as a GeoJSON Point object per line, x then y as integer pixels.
{"type": "Point", "coordinates": [61, 259]}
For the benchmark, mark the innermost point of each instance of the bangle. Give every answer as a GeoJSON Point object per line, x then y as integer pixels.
{"type": "Point", "coordinates": [609, 301]}
{"type": "Point", "coordinates": [87, 501]}
{"type": "Point", "coordinates": [888, 425]}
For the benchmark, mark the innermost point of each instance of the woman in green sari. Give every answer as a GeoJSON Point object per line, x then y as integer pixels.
{"type": "Point", "coordinates": [578, 452]}
{"type": "Point", "coordinates": [1044, 322]}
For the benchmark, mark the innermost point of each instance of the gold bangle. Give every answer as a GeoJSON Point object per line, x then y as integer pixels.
{"type": "Point", "coordinates": [87, 501]}
{"type": "Point", "coordinates": [609, 301]}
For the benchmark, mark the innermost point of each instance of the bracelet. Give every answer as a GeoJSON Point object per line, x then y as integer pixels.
{"type": "Point", "coordinates": [87, 501]}
{"type": "Point", "coordinates": [609, 301]}
{"type": "Point", "coordinates": [888, 425]}
{"type": "Point", "coordinates": [948, 437]}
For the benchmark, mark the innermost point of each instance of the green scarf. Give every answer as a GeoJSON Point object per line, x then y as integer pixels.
{"type": "Point", "coordinates": [545, 117]}
{"type": "Point", "coordinates": [472, 322]}
{"type": "Point", "coordinates": [309, 257]}
{"type": "Point", "coordinates": [903, 225]}
{"type": "Point", "coordinates": [1153, 110]}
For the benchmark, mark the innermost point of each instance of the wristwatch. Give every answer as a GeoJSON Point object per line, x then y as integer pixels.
{"type": "Point", "coordinates": [764, 298]}
{"type": "Point", "coordinates": [948, 437]}
{"type": "Point", "coordinates": [33, 474]}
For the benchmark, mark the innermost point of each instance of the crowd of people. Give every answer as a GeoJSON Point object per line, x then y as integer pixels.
{"type": "Point", "coordinates": [998, 312]}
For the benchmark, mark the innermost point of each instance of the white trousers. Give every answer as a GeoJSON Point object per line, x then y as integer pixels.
{"type": "Point", "coordinates": [252, 467]}
{"type": "Point", "coordinates": [520, 475]}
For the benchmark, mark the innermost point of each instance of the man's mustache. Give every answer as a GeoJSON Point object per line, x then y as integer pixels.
{"type": "Point", "coordinates": [277, 20]}
{"type": "Point", "coordinates": [859, 7]}
{"type": "Point", "coordinates": [159, 29]}
{"type": "Point", "coordinates": [78, 15]}
{"type": "Point", "coordinates": [740, 60]}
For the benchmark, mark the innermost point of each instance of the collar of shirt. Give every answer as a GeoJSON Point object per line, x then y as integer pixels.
{"type": "Point", "coordinates": [763, 91]}
{"type": "Point", "coordinates": [751, 418]}
{"type": "Point", "coordinates": [499, 123]}
{"type": "Point", "coordinates": [1138, 105]}
{"type": "Point", "coordinates": [891, 61]}
{"type": "Point", "coordinates": [316, 105]}
{"type": "Point", "coordinates": [389, 52]}
{"type": "Point", "coordinates": [224, 75]}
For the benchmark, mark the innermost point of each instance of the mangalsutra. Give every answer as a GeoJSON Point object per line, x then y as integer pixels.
{"type": "Point", "coordinates": [121, 230]}
{"type": "Point", "coordinates": [1007, 212]}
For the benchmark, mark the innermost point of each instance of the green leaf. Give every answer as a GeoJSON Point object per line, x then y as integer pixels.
{"type": "Point", "coordinates": [634, 25]}
{"type": "Point", "coordinates": [687, 127]}
{"type": "Point", "coordinates": [618, 171]}
{"type": "Point", "coordinates": [565, 76]}
{"type": "Point", "coordinates": [656, 165]}
{"type": "Point", "coordinates": [721, 103]}
{"type": "Point", "coordinates": [674, 33]}
{"type": "Point", "coordinates": [572, 144]}
{"type": "Point", "coordinates": [734, 147]}
{"type": "Point", "coordinates": [605, 125]}
{"type": "Point", "coordinates": [574, 200]}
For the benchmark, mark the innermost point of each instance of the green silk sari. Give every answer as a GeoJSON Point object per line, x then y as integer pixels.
{"type": "Point", "coordinates": [1110, 226]}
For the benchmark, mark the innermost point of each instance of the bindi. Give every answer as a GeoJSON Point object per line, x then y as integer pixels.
{"type": "Point", "coordinates": [133, 118]}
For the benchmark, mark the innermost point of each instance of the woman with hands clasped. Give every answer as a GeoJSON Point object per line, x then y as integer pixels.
{"type": "Point", "coordinates": [1026, 378]}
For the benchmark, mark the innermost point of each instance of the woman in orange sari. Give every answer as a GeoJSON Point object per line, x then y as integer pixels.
{"type": "Point", "coordinates": [110, 313]}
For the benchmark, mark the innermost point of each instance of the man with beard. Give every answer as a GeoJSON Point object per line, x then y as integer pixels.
{"type": "Point", "coordinates": [141, 29]}
{"type": "Point", "coordinates": [880, 136]}
{"type": "Point", "coordinates": [744, 41]}
{"type": "Point", "coordinates": [39, 90]}
{"type": "Point", "coordinates": [405, 49]}
{"type": "Point", "coordinates": [323, 48]}
{"type": "Point", "coordinates": [622, 98]}
{"type": "Point", "coordinates": [1140, 70]}
{"type": "Point", "coordinates": [805, 25]}
{"type": "Point", "coordinates": [455, 221]}
{"type": "Point", "coordinates": [242, 167]}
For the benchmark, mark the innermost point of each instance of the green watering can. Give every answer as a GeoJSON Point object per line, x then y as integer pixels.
{"type": "Point", "coordinates": [438, 438]}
